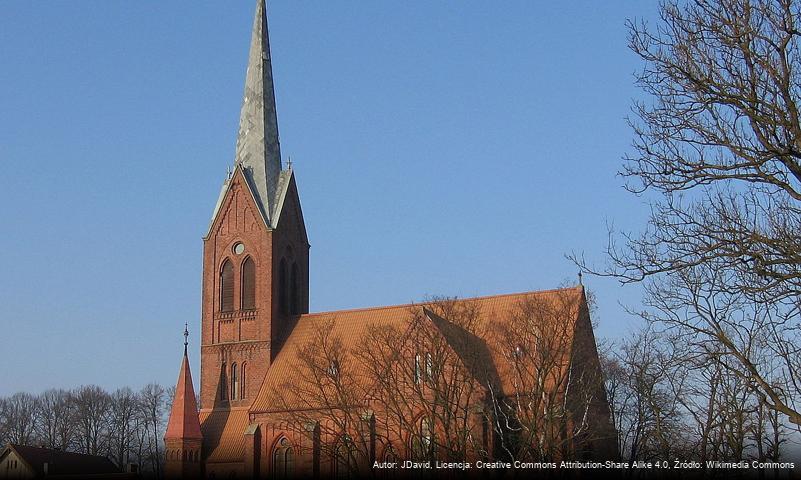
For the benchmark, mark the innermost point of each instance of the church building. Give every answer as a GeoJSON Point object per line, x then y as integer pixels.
{"type": "Point", "coordinates": [284, 392]}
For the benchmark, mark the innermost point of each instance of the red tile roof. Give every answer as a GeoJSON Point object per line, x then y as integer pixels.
{"type": "Point", "coordinates": [223, 434]}
{"type": "Point", "coordinates": [183, 421]}
{"type": "Point", "coordinates": [352, 325]}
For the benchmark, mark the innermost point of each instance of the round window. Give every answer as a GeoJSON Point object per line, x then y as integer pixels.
{"type": "Point", "coordinates": [239, 248]}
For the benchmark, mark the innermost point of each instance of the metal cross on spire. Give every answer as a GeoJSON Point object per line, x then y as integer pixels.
{"type": "Point", "coordinates": [186, 337]}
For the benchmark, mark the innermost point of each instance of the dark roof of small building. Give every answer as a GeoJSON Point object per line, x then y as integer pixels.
{"type": "Point", "coordinates": [60, 462]}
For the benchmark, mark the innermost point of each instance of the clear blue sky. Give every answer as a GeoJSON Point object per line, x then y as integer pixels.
{"type": "Point", "coordinates": [441, 148]}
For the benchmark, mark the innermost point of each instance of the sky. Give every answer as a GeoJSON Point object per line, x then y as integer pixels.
{"type": "Point", "coordinates": [440, 148]}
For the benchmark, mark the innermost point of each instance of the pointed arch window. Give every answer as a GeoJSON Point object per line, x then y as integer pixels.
{"type": "Point", "coordinates": [429, 367]}
{"type": "Point", "coordinates": [227, 286]}
{"type": "Point", "coordinates": [223, 383]}
{"type": "Point", "coordinates": [295, 289]}
{"type": "Point", "coordinates": [423, 440]}
{"type": "Point", "coordinates": [234, 382]}
{"type": "Point", "coordinates": [242, 381]}
{"type": "Point", "coordinates": [417, 368]}
{"type": "Point", "coordinates": [343, 457]}
{"type": "Point", "coordinates": [248, 284]}
{"type": "Point", "coordinates": [283, 288]}
{"type": "Point", "coordinates": [283, 459]}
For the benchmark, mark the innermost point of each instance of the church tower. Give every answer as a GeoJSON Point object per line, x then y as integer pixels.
{"type": "Point", "coordinates": [255, 253]}
{"type": "Point", "coordinates": [182, 440]}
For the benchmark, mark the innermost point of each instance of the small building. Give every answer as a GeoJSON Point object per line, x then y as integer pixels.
{"type": "Point", "coordinates": [23, 461]}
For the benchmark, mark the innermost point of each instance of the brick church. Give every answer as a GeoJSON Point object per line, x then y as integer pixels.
{"type": "Point", "coordinates": [285, 392]}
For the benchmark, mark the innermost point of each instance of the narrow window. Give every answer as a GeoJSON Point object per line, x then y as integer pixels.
{"type": "Point", "coordinates": [429, 367]}
{"type": "Point", "coordinates": [234, 382]}
{"type": "Point", "coordinates": [242, 380]}
{"type": "Point", "coordinates": [423, 440]}
{"type": "Point", "coordinates": [295, 289]}
{"type": "Point", "coordinates": [223, 383]}
{"type": "Point", "coordinates": [283, 288]}
{"type": "Point", "coordinates": [248, 284]}
{"type": "Point", "coordinates": [417, 368]}
{"type": "Point", "coordinates": [343, 461]}
{"type": "Point", "coordinates": [227, 287]}
{"type": "Point", "coordinates": [333, 370]}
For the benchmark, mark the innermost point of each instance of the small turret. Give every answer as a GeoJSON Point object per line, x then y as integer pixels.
{"type": "Point", "coordinates": [183, 439]}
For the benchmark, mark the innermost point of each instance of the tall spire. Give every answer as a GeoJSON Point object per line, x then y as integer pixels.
{"type": "Point", "coordinates": [257, 147]}
{"type": "Point", "coordinates": [184, 423]}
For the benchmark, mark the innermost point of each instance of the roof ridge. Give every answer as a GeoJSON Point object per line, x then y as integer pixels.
{"type": "Point", "coordinates": [414, 304]}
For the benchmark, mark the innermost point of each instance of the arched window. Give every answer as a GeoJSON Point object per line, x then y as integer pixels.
{"type": "Point", "coordinates": [227, 287]}
{"type": "Point", "coordinates": [283, 288]}
{"type": "Point", "coordinates": [295, 289]}
{"type": "Point", "coordinates": [234, 382]}
{"type": "Point", "coordinates": [333, 370]}
{"type": "Point", "coordinates": [417, 368]}
{"type": "Point", "coordinates": [422, 444]}
{"type": "Point", "coordinates": [242, 381]}
{"type": "Point", "coordinates": [390, 455]}
{"type": "Point", "coordinates": [248, 284]}
{"type": "Point", "coordinates": [283, 459]}
{"type": "Point", "coordinates": [223, 383]}
{"type": "Point", "coordinates": [429, 367]}
{"type": "Point", "coordinates": [343, 457]}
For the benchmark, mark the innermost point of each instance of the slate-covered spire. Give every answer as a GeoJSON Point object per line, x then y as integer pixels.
{"type": "Point", "coordinates": [184, 423]}
{"type": "Point", "coordinates": [257, 148]}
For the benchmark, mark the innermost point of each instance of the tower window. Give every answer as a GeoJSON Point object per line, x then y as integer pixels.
{"type": "Point", "coordinates": [223, 383]}
{"type": "Point", "coordinates": [248, 284]}
{"type": "Point", "coordinates": [295, 285]}
{"type": "Point", "coordinates": [234, 382]}
{"type": "Point", "coordinates": [283, 288]}
{"type": "Point", "coordinates": [242, 381]}
{"type": "Point", "coordinates": [227, 287]}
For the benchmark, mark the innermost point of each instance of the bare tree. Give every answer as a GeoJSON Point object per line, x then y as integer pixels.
{"type": "Point", "coordinates": [92, 406]}
{"type": "Point", "coordinates": [720, 143]}
{"type": "Point", "coordinates": [121, 424]}
{"type": "Point", "coordinates": [4, 427]}
{"type": "Point", "coordinates": [553, 405]}
{"type": "Point", "coordinates": [646, 400]}
{"type": "Point", "coordinates": [327, 402]}
{"type": "Point", "coordinates": [152, 407]}
{"type": "Point", "coordinates": [430, 376]}
{"type": "Point", "coordinates": [57, 419]}
{"type": "Point", "coordinates": [673, 397]}
{"type": "Point", "coordinates": [19, 416]}
{"type": "Point", "coordinates": [399, 381]}
{"type": "Point", "coordinates": [428, 387]}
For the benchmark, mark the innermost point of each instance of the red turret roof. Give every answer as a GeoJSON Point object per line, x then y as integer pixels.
{"type": "Point", "coordinates": [184, 421]}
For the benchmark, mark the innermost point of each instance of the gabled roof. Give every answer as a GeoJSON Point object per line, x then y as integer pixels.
{"type": "Point", "coordinates": [285, 180]}
{"type": "Point", "coordinates": [183, 423]}
{"type": "Point", "coordinates": [485, 359]}
{"type": "Point", "coordinates": [60, 462]}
